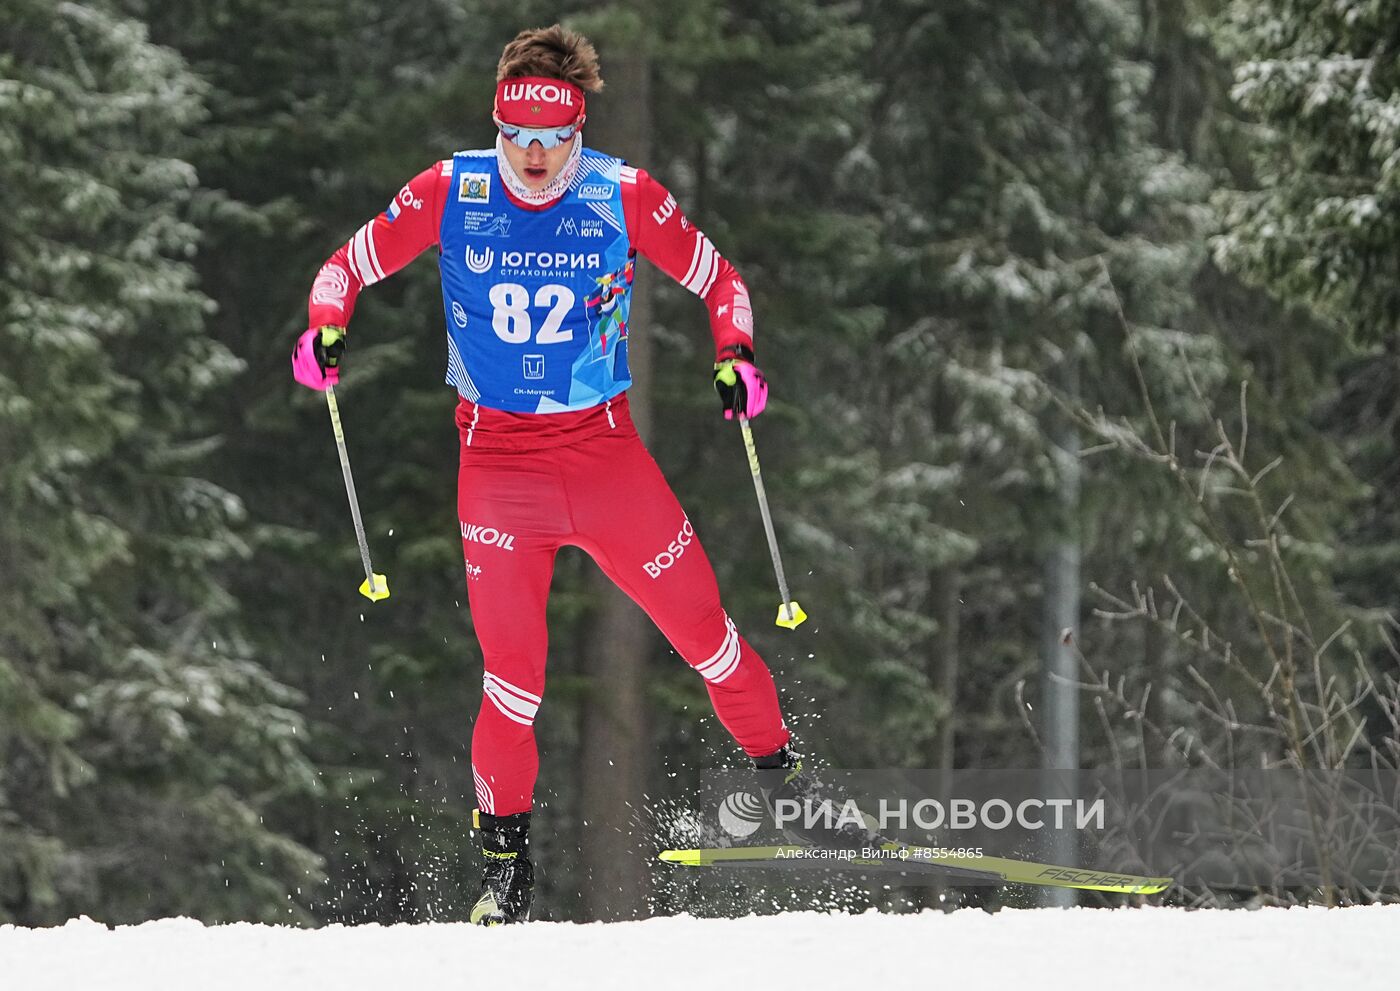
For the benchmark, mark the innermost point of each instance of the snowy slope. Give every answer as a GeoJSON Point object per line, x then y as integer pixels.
{"type": "Point", "coordinates": [1043, 949]}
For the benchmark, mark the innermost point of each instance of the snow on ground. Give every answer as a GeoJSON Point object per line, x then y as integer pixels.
{"type": "Point", "coordinates": [1046, 949]}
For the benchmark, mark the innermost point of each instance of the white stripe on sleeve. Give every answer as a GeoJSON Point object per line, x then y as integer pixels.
{"type": "Point", "coordinates": [694, 260]}
{"type": "Point", "coordinates": [702, 268]}
{"type": "Point", "coordinates": [373, 253]}
{"type": "Point", "coordinates": [362, 252]}
{"type": "Point", "coordinates": [714, 274]}
{"type": "Point", "coordinates": [360, 260]}
{"type": "Point", "coordinates": [352, 261]}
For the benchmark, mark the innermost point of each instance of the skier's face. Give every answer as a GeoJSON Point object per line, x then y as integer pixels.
{"type": "Point", "coordinates": [534, 165]}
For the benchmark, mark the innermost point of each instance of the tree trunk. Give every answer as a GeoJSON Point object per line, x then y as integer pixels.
{"type": "Point", "coordinates": [946, 593]}
{"type": "Point", "coordinates": [945, 601]}
{"type": "Point", "coordinates": [1060, 623]}
{"type": "Point", "coordinates": [615, 749]}
{"type": "Point", "coordinates": [947, 596]}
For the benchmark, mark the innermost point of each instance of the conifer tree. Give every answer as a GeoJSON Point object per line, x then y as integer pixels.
{"type": "Point", "coordinates": [1322, 225]}
{"type": "Point", "coordinates": [141, 740]}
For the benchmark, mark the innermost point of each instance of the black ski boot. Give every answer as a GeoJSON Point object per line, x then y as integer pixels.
{"type": "Point", "coordinates": [507, 877]}
{"type": "Point", "coordinates": [783, 778]}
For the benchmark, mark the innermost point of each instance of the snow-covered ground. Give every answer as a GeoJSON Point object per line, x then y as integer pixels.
{"type": "Point", "coordinates": [1043, 949]}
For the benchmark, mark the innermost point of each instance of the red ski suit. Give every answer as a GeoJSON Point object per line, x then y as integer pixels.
{"type": "Point", "coordinates": [530, 483]}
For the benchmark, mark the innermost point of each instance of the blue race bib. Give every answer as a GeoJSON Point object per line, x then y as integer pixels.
{"type": "Point", "coordinates": [536, 301]}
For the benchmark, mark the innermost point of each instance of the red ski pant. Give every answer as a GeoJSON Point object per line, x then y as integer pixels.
{"type": "Point", "coordinates": [605, 494]}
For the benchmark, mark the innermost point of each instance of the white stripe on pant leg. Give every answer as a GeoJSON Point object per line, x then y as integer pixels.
{"type": "Point", "coordinates": [722, 664]}
{"type": "Point", "coordinates": [721, 660]}
{"type": "Point", "coordinates": [514, 703]}
{"type": "Point", "coordinates": [507, 708]}
{"type": "Point", "coordinates": [485, 798]}
{"type": "Point", "coordinates": [729, 633]}
{"type": "Point", "coordinates": [476, 412]}
{"type": "Point", "coordinates": [513, 689]}
{"type": "Point", "coordinates": [719, 676]}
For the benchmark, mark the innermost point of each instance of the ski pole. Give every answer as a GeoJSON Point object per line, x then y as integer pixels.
{"type": "Point", "coordinates": [374, 587]}
{"type": "Point", "coordinates": [790, 614]}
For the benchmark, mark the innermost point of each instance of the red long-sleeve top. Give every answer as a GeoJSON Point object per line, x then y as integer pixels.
{"type": "Point", "coordinates": [655, 225]}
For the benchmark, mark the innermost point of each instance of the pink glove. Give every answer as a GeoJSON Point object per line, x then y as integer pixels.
{"type": "Point", "coordinates": [316, 358]}
{"type": "Point", "coordinates": [741, 386]}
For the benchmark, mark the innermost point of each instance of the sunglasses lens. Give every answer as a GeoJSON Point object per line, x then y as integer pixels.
{"type": "Point", "coordinates": [547, 137]}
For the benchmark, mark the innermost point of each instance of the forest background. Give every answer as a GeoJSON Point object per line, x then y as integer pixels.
{"type": "Point", "coordinates": [1078, 316]}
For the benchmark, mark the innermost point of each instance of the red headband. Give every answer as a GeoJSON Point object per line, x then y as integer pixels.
{"type": "Point", "coordinates": [532, 101]}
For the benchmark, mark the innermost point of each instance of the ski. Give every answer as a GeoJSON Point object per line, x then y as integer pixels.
{"type": "Point", "coordinates": [909, 858]}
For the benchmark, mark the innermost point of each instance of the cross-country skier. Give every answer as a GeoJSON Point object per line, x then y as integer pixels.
{"type": "Point", "coordinates": [536, 242]}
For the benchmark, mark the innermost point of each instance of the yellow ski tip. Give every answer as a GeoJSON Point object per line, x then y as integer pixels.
{"type": "Point", "coordinates": [1155, 887]}
{"type": "Point", "coordinates": [380, 590]}
{"type": "Point", "coordinates": [790, 615]}
{"type": "Point", "coordinates": [690, 858]}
